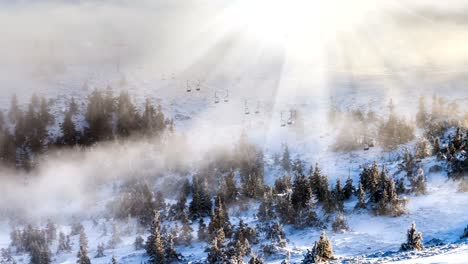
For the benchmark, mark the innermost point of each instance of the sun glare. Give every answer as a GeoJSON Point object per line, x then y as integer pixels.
{"type": "Point", "coordinates": [281, 21]}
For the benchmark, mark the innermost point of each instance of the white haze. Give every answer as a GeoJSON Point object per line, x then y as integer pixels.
{"type": "Point", "coordinates": [404, 45]}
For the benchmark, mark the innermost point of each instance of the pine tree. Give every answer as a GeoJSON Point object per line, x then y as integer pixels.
{"type": "Point", "coordinates": [286, 159]}
{"type": "Point", "coordinates": [219, 219]}
{"type": "Point", "coordinates": [418, 185]}
{"type": "Point", "coordinates": [265, 210]}
{"type": "Point", "coordinates": [170, 254]}
{"type": "Point", "coordinates": [114, 260]}
{"type": "Point", "coordinates": [45, 116]}
{"type": "Point", "coordinates": [339, 224]}
{"type": "Point", "coordinates": [200, 206]}
{"type": "Point", "coordinates": [100, 251]}
{"type": "Point", "coordinates": [338, 196]}
{"type": "Point", "coordinates": [154, 243]}
{"type": "Point", "coordinates": [309, 257]}
{"type": "Point", "coordinates": [316, 184]}
{"type": "Point", "coordinates": [422, 149]}
{"type": "Point", "coordinates": [256, 260]}
{"type": "Point", "coordinates": [139, 243]}
{"type": "Point", "coordinates": [72, 106]}
{"type": "Point", "coordinates": [229, 188]}
{"type": "Point", "coordinates": [306, 216]}
{"type": "Point", "coordinates": [186, 232]}
{"type": "Point", "coordinates": [115, 238]}
{"type": "Point", "coordinates": [301, 193]}
{"type": "Point", "coordinates": [217, 251]}
{"type": "Point", "coordinates": [127, 116]}
{"type": "Point", "coordinates": [201, 233]}
{"type": "Point", "coordinates": [40, 254]}
{"type": "Point", "coordinates": [98, 117]}
{"type": "Point", "coordinates": [83, 240]}
{"type": "Point", "coordinates": [413, 240]}
{"type": "Point", "coordinates": [361, 204]}
{"type": "Point", "coordinates": [436, 146]}
{"type": "Point", "coordinates": [348, 189]}
{"type": "Point", "coordinates": [421, 116]}
{"type": "Point", "coordinates": [68, 129]}
{"type": "Point", "coordinates": [63, 243]}
{"type": "Point", "coordinates": [15, 112]}
{"type": "Point", "coordinates": [465, 233]}
{"type": "Point", "coordinates": [323, 249]}
{"type": "Point", "coordinates": [51, 231]}
{"type": "Point", "coordinates": [83, 256]}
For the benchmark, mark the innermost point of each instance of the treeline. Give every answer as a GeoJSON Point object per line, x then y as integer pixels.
{"type": "Point", "coordinates": [24, 133]}
{"type": "Point", "coordinates": [361, 129]}
{"type": "Point", "coordinates": [445, 134]}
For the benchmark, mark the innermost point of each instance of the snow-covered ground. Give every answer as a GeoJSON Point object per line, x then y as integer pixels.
{"type": "Point", "coordinates": [441, 214]}
{"type": "Point", "coordinates": [250, 78]}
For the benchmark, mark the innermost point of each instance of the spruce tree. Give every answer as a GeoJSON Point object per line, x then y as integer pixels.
{"type": "Point", "coordinates": [418, 184]}
{"type": "Point", "coordinates": [83, 256]}
{"type": "Point", "coordinates": [361, 204]}
{"type": "Point", "coordinates": [170, 253]}
{"type": "Point", "coordinates": [115, 238]}
{"type": "Point", "coordinates": [154, 243]}
{"type": "Point", "coordinates": [413, 240]}
{"type": "Point", "coordinates": [45, 117]}
{"type": "Point", "coordinates": [186, 232]}
{"type": "Point", "coordinates": [127, 116]}
{"type": "Point", "coordinates": [421, 115]}
{"type": "Point", "coordinates": [286, 159]}
{"type": "Point", "coordinates": [256, 260]}
{"type": "Point", "coordinates": [51, 231]}
{"type": "Point", "coordinates": [323, 249]}
{"type": "Point", "coordinates": [68, 129]}
{"type": "Point", "coordinates": [100, 251]}
{"type": "Point", "coordinates": [338, 196]}
{"type": "Point", "coordinates": [229, 188]}
{"type": "Point", "coordinates": [348, 189]}
{"type": "Point", "coordinates": [301, 193]}
{"type": "Point", "coordinates": [15, 112]}
{"type": "Point", "coordinates": [201, 233]}
{"type": "Point", "coordinates": [340, 225]}
{"type": "Point", "coordinates": [139, 243]}
{"type": "Point", "coordinates": [265, 210]}
{"type": "Point", "coordinates": [98, 117]}
{"type": "Point", "coordinates": [219, 219]}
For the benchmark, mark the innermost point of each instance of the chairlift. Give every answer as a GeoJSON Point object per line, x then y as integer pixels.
{"type": "Point", "coordinates": [246, 108]}
{"type": "Point", "coordinates": [198, 87]}
{"type": "Point", "coordinates": [257, 111]}
{"type": "Point", "coordinates": [189, 89]}
{"type": "Point", "coordinates": [226, 98]}
{"type": "Point", "coordinates": [216, 98]}
{"type": "Point", "coordinates": [283, 124]}
{"type": "Point", "coordinates": [366, 147]}
{"type": "Point", "coordinates": [290, 120]}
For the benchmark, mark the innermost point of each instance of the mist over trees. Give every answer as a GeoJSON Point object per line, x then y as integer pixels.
{"type": "Point", "coordinates": [204, 204]}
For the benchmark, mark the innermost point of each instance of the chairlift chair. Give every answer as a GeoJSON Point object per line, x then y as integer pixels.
{"type": "Point", "coordinates": [246, 108]}
{"type": "Point", "coordinates": [198, 85]}
{"type": "Point", "coordinates": [189, 89]}
{"type": "Point", "coordinates": [257, 111]}
{"type": "Point", "coordinates": [226, 98]}
{"type": "Point", "coordinates": [290, 120]}
{"type": "Point", "coordinates": [283, 124]}
{"type": "Point", "coordinates": [216, 98]}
